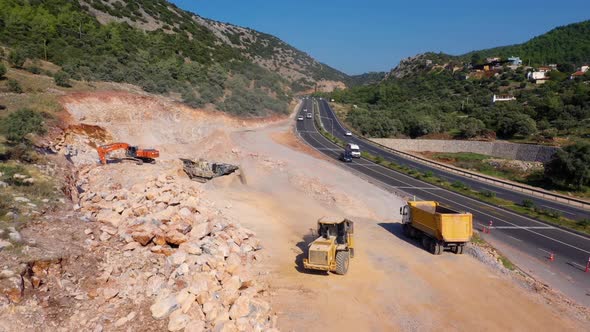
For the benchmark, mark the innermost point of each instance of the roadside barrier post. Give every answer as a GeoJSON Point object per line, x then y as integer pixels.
{"type": "Point", "coordinates": [588, 265]}
{"type": "Point", "coordinates": [490, 226]}
{"type": "Point", "coordinates": [551, 257]}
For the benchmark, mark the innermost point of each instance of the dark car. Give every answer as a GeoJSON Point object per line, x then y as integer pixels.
{"type": "Point", "coordinates": [346, 157]}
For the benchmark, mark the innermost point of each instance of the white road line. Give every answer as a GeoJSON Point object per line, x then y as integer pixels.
{"type": "Point", "coordinates": [552, 208]}
{"type": "Point", "coordinates": [549, 252]}
{"type": "Point", "coordinates": [421, 188]}
{"type": "Point", "coordinates": [522, 227]}
{"type": "Point", "coordinates": [579, 265]}
{"type": "Point", "coordinates": [519, 240]}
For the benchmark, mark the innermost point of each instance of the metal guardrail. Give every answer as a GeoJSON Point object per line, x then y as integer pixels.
{"type": "Point", "coordinates": [483, 178]}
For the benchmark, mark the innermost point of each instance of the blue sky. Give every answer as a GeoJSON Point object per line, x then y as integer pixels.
{"type": "Point", "coordinates": [373, 35]}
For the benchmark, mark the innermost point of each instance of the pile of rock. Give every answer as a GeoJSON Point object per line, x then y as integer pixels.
{"type": "Point", "coordinates": [516, 165]}
{"type": "Point", "coordinates": [207, 282]}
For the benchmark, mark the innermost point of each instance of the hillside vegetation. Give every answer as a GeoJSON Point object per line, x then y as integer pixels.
{"type": "Point", "coordinates": [159, 47]}
{"type": "Point", "coordinates": [563, 45]}
{"type": "Point", "coordinates": [440, 94]}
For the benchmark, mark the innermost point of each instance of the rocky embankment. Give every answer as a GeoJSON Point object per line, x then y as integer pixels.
{"type": "Point", "coordinates": [143, 249]}
{"type": "Point", "coordinates": [205, 280]}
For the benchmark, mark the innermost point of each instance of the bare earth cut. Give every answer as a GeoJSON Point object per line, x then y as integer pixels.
{"type": "Point", "coordinates": [161, 251]}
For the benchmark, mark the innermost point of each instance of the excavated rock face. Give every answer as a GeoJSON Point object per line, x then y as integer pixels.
{"type": "Point", "coordinates": [204, 171]}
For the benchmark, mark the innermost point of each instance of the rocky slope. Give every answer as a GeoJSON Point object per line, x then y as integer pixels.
{"type": "Point", "coordinates": [268, 51]}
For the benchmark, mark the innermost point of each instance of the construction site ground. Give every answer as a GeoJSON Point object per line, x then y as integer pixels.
{"type": "Point", "coordinates": [284, 186]}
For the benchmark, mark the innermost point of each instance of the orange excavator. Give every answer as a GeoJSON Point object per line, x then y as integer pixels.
{"type": "Point", "coordinates": [131, 152]}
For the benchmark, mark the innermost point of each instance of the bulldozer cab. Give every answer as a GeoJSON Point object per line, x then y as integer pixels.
{"type": "Point", "coordinates": [341, 229]}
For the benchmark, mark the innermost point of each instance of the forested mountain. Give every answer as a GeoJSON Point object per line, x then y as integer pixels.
{"type": "Point", "coordinates": [444, 95]}
{"type": "Point", "coordinates": [568, 44]}
{"type": "Point", "coordinates": [163, 49]}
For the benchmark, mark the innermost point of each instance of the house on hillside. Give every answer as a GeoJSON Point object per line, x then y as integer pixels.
{"type": "Point", "coordinates": [544, 69]}
{"type": "Point", "coordinates": [502, 98]}
{"type": "Point", "coordinates": [539, 77]}
{"type": "Point", "coordinates": [584, 68]}
{"type": "Point", "coordinates": [579, 73]}
{"type": "Point", "coordinates": [515, 61]}
{"type": "Point", "coordinates": [495, 59]}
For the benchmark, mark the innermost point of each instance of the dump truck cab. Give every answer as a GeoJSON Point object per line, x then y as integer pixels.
{"type": "Point", "coordinates": [333, 248]}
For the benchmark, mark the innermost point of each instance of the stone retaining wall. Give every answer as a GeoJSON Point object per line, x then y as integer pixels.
{"type": "Point", "coordinates": [524, 152]}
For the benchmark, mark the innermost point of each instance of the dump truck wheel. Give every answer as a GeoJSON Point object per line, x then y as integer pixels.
{"type": "Point", "coordinates": [406, 230]}
{"type": "Point", "coordinates": [438, 248]}
{"type": "Point", "coordinates": [342, 261]}
{"type": "Point", "coordinates": [460, 249]}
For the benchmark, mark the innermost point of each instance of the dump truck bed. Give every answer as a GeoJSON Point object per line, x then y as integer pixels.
{"type": "Point", "coordinates": [440, 222]}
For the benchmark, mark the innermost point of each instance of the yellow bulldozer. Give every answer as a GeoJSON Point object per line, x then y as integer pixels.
{"type": "Point", "coordinates": [333, 248]}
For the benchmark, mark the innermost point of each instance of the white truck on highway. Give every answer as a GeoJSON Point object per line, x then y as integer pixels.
{"type": "Point", "coordinates": [353, 149]}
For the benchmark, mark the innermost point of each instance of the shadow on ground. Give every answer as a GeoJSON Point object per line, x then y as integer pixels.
{"type": "Point", "coordinates": [396, 229]}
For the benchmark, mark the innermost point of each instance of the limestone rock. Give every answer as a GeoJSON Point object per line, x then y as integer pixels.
{"type": "Point", "coordinates": [240, 308]}
{"type": "Point", "coordinates": [109, 217]}
{"type": "Point", "coordinates": [178, 321]}
{"type": "Point", "coordinates": [200, 231]}
{"type": "Point", "coordinates": [164, 307]}
{"type": "Point", "coordinates": [143, 237]}
{"type": "Point", "coordinates": [175, 237]}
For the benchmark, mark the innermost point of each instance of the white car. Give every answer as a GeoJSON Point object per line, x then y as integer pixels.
{"type": "Point", "coordinates": [300, 118]}
{"type": "Point", "coordinates": [309, 115]}
{"type": "Point", "coordinates": [348, 133]}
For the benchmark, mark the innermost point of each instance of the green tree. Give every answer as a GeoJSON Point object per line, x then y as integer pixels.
{"type": "Point", "coordinates": [475, 58]}
{"type": "Point", "coordinates": [471, 127]}
{"type": "Point", "coordinates": [2, 70]}
{"type": "Point", "coordinates": [512, 124]}
{"type": "Point", "coordinates": [13, 86]}
{"type": "Point", "coordinates": [21, 123]}
{"type": "Point", "coordinates": [17, 58]}
{"type": "Point", "coordinates": [570, 166]}
{"type": "Point", "coordinates": [62, 78]}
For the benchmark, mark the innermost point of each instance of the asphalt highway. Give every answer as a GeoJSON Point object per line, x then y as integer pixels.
{"type": "Point", "coordinates": [535, 238]}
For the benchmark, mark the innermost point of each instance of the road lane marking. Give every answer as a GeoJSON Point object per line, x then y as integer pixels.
{"type": "Point", "coordinates": [578, 265]}
{"type": "Point", "coordinates": [519, 240]}
{"type": "Point", "coordinates": [552, 208]}
{"type": "Point", "coordinates": [549, 252]}
{"type": "Point", "coordinates": [421, 188]}
{"type": "Point", "coordinates": [521, 227]}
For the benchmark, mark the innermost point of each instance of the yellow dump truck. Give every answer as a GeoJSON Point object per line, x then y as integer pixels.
{"type": "Point", "coordinates": [438, 227]}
